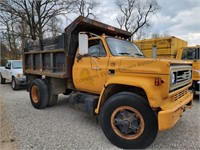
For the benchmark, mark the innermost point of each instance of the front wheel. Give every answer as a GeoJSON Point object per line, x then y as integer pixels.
{"type": "Point", "coordinates": [14, 84]}
{"type": "Point", "coordinates": [128, 121]}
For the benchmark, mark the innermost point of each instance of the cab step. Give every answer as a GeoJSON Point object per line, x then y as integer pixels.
{"type": "Point", "coordinates": [83, 101]}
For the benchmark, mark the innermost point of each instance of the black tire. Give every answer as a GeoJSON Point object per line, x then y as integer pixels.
{"type": "Point", "coordinates": [39, 94]}
{"type": "Point", "coordinates": [3, 80]}
{"type": "Point", "coordinates": [14, 84]}
{"type": "Point", "coordinates": [52, 100]}
{"type": "Point", "coordinates": [139, 127]}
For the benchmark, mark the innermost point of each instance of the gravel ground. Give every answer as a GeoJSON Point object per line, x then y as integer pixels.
{"type": "Point", "coordinates": [62, 127]}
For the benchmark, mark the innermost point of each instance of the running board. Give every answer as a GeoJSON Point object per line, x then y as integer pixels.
{"type": "Point", "coordinates": [83, 101]}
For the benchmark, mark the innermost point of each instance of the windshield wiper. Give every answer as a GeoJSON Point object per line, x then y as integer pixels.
{"type": "Point", "coordinates": [17, 67]}
{"type": "Point", "coordinates": [124, 53]}
{"type": "Point", "coordinates": [138, 54]}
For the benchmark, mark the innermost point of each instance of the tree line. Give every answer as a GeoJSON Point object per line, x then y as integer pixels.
{"type": "Point", "coordinates": [22, 20]}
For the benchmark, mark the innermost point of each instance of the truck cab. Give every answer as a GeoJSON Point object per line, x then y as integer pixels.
{"type": "Point", "coordinates": [12, 72]}
{"type": "Point", "coordinates": [133, 97]}
{"type": "Point", "coordinates": [192, 54]}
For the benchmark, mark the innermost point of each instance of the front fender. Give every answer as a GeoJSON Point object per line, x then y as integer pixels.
{"type": "Point", "coordinates": [145, 83]}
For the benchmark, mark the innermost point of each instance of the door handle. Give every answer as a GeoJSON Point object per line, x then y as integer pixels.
{"type": "Point", "coordinates": [111, 71]}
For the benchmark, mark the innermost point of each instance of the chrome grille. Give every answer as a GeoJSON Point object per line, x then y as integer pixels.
{"type": "Point", "coordinates": [183, 76]}
{"type": "Point", "coordinates": [180, 76]}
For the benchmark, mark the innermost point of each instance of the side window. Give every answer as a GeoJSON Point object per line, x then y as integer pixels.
{"type": "Point", "coordinates": [188, 54]}
{"type": "Point", "coordinates": [8, 65]}
{"type": "Point", "coordinates": [96, 48]}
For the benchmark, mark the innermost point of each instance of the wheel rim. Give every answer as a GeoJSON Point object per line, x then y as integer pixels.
{"type": "Point", "coordinates": [127, 122]}
{"type": "Point", "coordinates": [35, 94]}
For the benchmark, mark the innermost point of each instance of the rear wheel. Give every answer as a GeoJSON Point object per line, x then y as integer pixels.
{"type": "Point", "coordinates": [39, 94]}
{"type": "Point", "coordinates": [128, 121]}
{"type": "Point", "coordinates": [14, 84]}
{"type": "Point", "coordinates": [3, 80]}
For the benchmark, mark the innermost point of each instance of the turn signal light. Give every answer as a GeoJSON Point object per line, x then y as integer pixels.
{"type": "Point", "coordinates": [158, 81]}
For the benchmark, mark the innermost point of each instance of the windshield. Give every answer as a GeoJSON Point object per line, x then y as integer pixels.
{"type": "Point", "coordinates": [17, 64]}
{"type": "Point", "coordinates": [120, 47]}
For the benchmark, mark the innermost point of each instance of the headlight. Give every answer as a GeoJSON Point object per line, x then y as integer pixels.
{"type": "Point", "coordinates": [19, 75]}
{"type": "Point", "coordinates": [173, 78]}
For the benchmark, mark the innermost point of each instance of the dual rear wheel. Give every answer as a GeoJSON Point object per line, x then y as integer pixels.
{"type": "Point", "coordinates": [40, 96]}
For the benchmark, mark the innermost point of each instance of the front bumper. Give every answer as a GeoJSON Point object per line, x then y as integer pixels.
{"type": "Point", "coordinates": [21, 81]}
{"type": "Point", "coordinates": [172, 112]}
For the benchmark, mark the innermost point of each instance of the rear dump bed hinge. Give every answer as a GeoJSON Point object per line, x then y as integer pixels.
{"type": "Point", "coordinates": [83, 101]}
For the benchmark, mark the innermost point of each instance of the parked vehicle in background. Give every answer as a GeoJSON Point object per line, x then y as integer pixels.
{"type": "Point", "coordinates": [173, 47]}
{"type": "Point", "coordinates": [166, 47]}
{"type": "Point", "coordinates": [13, 72]}
{"type": "Point", "coordinates": [192, 54]}
{"type": "Point", "coordinates": [134, 97]}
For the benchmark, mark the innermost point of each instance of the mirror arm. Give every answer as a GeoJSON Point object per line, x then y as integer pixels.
{"type": "Point", "coordinates": [79, 57]}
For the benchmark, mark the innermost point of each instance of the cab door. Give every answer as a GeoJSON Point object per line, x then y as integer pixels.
{"type": "Point", "coordinates": [90, 71]}
{"type": "Point", "coordinates": [7, 74]}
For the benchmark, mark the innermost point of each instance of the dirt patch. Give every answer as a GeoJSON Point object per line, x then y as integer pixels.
{"type": "Point", "coordinates": [7, 141]}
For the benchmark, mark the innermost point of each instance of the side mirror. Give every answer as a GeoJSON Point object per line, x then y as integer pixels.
{"type": "Point", "coordinates": [83, 43]}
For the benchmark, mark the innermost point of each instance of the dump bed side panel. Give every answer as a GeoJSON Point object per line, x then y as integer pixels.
{"type": "Point", "coordinates": [46, 57]}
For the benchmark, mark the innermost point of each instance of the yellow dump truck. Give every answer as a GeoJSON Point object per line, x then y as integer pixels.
{"type": "Point", "coordinates": [132, 96]}
{"type": "Point", "coordinates": [166, 47]}
{"type": "Point", "coordinates": [192, 54]}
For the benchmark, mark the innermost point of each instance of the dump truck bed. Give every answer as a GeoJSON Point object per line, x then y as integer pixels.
{"type": "Point", "coordinates": [55, 56]}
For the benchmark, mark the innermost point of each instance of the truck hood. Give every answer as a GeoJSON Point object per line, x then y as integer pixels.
{"type": "Point", "coordinates": [17, 71]}
{"type": "Point", "coordinates": [149, 65]}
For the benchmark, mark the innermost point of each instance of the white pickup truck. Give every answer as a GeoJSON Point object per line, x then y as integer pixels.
{"type": "Point", "coordinates": [12, 72]}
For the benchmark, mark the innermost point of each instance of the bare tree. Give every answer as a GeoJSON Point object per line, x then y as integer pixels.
{"type": "Point", "coordinates": [135, 14]}
{"type": "Point", "coordinates": [4, 53]}
{"type": "Point", "coordinates": [142, 33]}
{"type": "Point", "coordinates": [161, 34]}
{"type": "Point", "coordinates": [121, 21]}
{"type": "Point", "coordinates": [36, 13]}
{"type": "Point", "coordinates": [85, 7]}
{"type": "Point", "coordinates": [9, 21]}
{"type": "Point", "coordinates": [54, 27]}
{"type": "Point", "coordinates": [22, 30]}
{"type": "Point", "coordinates": [155, 35]}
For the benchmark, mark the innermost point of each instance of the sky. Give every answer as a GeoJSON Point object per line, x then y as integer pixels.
{"type": "Point", "coordinates": [180, 18]}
